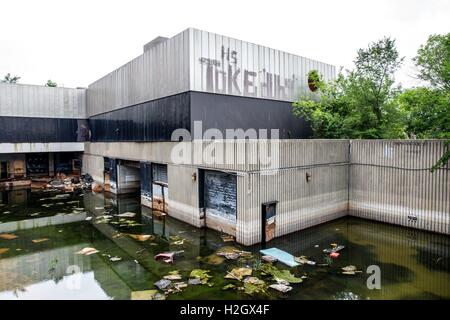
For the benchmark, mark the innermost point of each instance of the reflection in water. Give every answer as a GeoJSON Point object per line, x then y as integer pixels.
{"type": "Point", "coordinates": [414, 264]}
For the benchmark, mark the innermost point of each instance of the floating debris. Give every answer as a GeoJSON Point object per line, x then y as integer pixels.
{"type": "Point", "coordinates": [39, 240]}
{"type": "Point", "coordinates": [179, 285]}
{"type": "Point", "coordinates": [282, 256]}
{"type": "Point", "coordinates": [8, 236]}
{"type": "Point", "coordinates": [350, 270]}
{"type": "Point", "coordinates": [334, 255]}
{"type": "Point", "coordinates": [255, 288]}
{"type": "Point", "coordinates": [201, 274]}
{"type": "Point", "coordinates": [115, 259]}
{"type": "Point", "coordinates": [254, 280]}
{"type": "Point", "coordinates": [229, 255]}
{"type": "Point", "coordinates": [168, 257]}
{"type": "Point", "coordinates": [88, 218]}
{"type": "Point", "coordinates": [173, 275]}
{"type": "Point", "coordinates": [229, 286]}
{"type": "Point", "coordinates": [304, 260]}
{"type": "Point", "coordinates": [194, 281]}
{"type": "Point", "coordinates": [269, 259]}
{"type": "Point", "coordinates": [127, 215]}
{"type": "Point", "coordinates": [141, 237]}
{"type": "Point", "coordinates": [163, 284]}
{"type": "Point", "coordinates": [213, 259]}
{"type": "Point", "coordinates": [281, 287]}
{"type": "Point", "coordinates": [238, 273]}
{"type": "Point", "coordinates": [335, 248]}
{"type": "Point", "coordinates": [178, 243]}
{"type": "Point", "coordinates": [144, 295]}
{"type": "Point", "coordinates": [227, 238]}
{"type": "Point", "coordinates": [87, 251]}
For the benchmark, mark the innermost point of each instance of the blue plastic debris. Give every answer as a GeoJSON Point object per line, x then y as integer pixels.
{"type": "Point", "coordinates": [282, 256]}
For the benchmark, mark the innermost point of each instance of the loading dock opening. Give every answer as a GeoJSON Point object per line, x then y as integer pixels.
{"type": "Point", "coordinates": [268, 223]}
{"type": "Point", "coordinates": [218, 198]}
{"type": "Point", "coordinates": [109, 174]}
{"type": "Point", "coordinates": [160, 187]}
{"type": "Point", "coordinates": [128, 176]}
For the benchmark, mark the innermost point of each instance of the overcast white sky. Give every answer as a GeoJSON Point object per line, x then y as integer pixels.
{"type": "Point", "coordinates": [76, 42]}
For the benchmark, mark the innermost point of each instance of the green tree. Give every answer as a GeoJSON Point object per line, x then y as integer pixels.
{"type": "Point", "coordinates": [427, 113]}
{"type": "Point", "coordinates": [429, 109]}
{"type": "Point", "coordinates": [9, 79]}
{"type": "Point", "coordinates": [51, 83]}
{"type": "Point", "coordinates": [433, 61]}
{"type": "Point", "coordinates": [361, 102]}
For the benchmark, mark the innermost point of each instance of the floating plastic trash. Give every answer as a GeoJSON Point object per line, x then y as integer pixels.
{"type": "Point", "coordinates": [281, 256]}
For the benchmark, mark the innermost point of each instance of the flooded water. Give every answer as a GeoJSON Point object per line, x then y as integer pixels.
{"type": "Point", "coordinates": [413, 264]}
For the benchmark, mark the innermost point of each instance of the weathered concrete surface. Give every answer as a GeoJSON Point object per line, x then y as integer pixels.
{"type": "Point", "coordinates": [390, 181]}
{"type": "Point", "coordinates": [13, 226]}
{"type": "Point", "coordinates": [382, 180]}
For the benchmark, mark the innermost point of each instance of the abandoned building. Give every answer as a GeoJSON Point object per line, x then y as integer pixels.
{"type": "Point", "coordinates": [201, 125]}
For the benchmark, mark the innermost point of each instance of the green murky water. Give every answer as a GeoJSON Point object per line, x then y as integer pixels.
{"type": "Point", "coordinates": [413, 264]}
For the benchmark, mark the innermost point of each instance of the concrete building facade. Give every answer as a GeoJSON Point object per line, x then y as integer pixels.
{"type": "Point", "coordinates": [201, 125]}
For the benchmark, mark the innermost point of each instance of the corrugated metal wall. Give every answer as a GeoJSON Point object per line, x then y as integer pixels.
{"type": "Point", "coordinates": [390, 181]}
{"type": "Point", "coordinates": [301, 204]}
{"type": "Point", "coordinates": [161, 71]}
{"type": "Point", "coordinates": [151, 121]}
{"type": "Point", "coordinates": [235, 65]}
{"type": "Point", "coordinates": [45, 130]}
{"type": "Point", "coordinates": [195, 60]}
{"type": "Point", "coordinates": [20, 100]}
{"type": "Point", "coordinates": [381, 180]}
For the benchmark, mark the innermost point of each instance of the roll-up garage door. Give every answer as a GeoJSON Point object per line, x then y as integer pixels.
{"type": "Point", "coordinates": [220, 194]}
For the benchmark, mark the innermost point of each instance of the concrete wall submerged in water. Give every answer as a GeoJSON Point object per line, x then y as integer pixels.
{"type": "Point", "coordinates": [390, 181]}
{"type": "Point", "coordinates": [384, 180]}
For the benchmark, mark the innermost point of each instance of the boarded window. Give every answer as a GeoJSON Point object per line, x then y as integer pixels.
{"type": "Point", "coordinates": [220, 194]}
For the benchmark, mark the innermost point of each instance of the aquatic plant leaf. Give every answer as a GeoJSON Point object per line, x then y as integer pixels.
{"type": "Point", "coordinates": [8, 236]}
{"type": "Point", "coordinates": [39, 240]}
{"type": "Point", "coordinates": [252, 289]}
{"type": "Point", "coordinates": [229, 286]}
{"type": "Point", "coordinates": [278, 274]}
{"type": "Point", "coordinates": [201, 274]}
